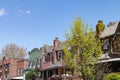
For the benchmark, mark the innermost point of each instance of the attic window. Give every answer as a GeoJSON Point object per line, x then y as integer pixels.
{"type": "Point", "coordinates": [59, 55]}
{"type": "Point", "coordinates": [106, 45]}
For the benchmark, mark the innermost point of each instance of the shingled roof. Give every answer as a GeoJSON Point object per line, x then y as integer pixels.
{"type": "Point", "coordinates": [48, 48]}
{"type": "Point", "coordinates": [109, 30]}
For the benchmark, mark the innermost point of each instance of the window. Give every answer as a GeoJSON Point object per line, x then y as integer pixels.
{"type": "Point", "coordinates": [45, 57]}
{"type": "Point", "coordinates": [8, 66]}
{"type": "Point", "coordinates": [52, 58]}
{"type": "Point", "coordinates": [19, 71]}
{"type": "Point", "coordinates": [106, 45]}
{"type": "Point", "coordinates": [59, 55]}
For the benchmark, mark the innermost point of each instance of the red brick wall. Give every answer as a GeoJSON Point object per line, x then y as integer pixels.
{"type": "Point", "coordinates": [6, 61]}
{"type": "Point", "coordinates": [22, 64]}
{"type": "Point", "coordinates": [13, 67]}
{"type": "Point", "coordinates": [26, 64]}
{"type": "Point", "coordinates": [45, 65]}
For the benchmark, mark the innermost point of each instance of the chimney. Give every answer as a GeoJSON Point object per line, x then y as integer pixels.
{"type": "Point", "coordinates": [99, 27]}
{"type": "Point", "coordinates": [55, 43]}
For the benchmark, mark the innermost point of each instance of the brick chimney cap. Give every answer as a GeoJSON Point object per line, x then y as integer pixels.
{"type": "Point", "coordinates": [56, 37]}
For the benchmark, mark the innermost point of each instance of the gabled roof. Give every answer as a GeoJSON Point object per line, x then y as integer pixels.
{"type": "Point", "coordinates": [47, 48]}
{"type": "Point", "coordinates": [109, 30]}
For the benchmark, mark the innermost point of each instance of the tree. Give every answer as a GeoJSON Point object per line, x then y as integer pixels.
{"type": "Point", "coordinates": [82, 50]}
{"type": "Point", "coordinates": [33, 74]}
{"type": "Point", "coordinates": [113, 76]}
{"type": "Point", "coordinates": [14, 51]}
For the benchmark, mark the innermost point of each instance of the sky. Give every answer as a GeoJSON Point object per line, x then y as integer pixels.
{"type": "Point", "coordinates": [33, 23]}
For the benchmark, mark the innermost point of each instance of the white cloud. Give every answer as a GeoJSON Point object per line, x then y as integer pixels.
{"type": "Point", "coordinates": [2, 11]}
{"type": "Point", "coordinates": [23, 12]}
{"type": "Point", "coordinates": [28, 12]}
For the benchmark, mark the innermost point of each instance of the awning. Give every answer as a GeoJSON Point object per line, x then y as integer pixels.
{"type": "Point", "coordinates": [19, 77]}
{"type": "Point", "coordinates": [109, 60]}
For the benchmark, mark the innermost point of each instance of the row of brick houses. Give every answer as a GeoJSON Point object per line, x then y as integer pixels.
{"type": "Point", "coordinates": [49, 57]}
{"type": "Point", "coordinates": [13, 68]}
{"type": "Point", "coordinates": [51, 60]}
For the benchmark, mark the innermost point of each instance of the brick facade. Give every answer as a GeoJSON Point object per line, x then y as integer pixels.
{"type": "Point", "coordinates": [11, 66]}
{"type": "Point", "coordinates": [21, 66]}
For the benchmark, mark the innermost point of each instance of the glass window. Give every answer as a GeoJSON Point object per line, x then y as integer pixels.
{"type": "Point", "coordinates": [19, 71]}
{"type": "Point", "coordinates": [106, 44]}
{"type": "Point", "coordinates": [59, 55]}
{"type": "Point", "coordinates": [52, 58]}
{"type": "Point", "coordinates": [45, 58]}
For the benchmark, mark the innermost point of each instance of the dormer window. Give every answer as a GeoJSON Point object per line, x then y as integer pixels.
{"type": "Point", "coordinates": [46, 58]}
{"type": "Point", "coordinates": [106, 44]}
{"type": "Point", "coordinates": [59, 55]}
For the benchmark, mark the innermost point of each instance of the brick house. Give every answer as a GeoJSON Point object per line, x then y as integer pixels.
{"type": "Point", "coordinates": [21, 66]}
{"type": "Point", "coordinates": [110, 38]}
{"type": "Point", "coordinates": [11, 67]}
{"type": "Point", "coordinates": [51, 62]}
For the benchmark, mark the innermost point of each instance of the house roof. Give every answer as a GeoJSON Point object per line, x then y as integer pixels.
{"type": "Point", "coordinates": [48, 48]}
{"type": "Point", "coordinates": [109, 30]}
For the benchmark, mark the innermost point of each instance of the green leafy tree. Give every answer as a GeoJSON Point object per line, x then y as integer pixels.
{"type": "Point", "coordinates": [82, 50]}
{"type": "Point", "coordinates": [33, 74]}
{"type": "Point", "coordinates": [113, 76]}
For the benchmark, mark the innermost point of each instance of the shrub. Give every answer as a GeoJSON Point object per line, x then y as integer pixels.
{"type": "Point", "coordinates": [113, 76]}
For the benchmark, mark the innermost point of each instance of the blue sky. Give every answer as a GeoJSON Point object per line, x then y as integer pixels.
{"type": "Point", "coordinates": [33, 23]}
